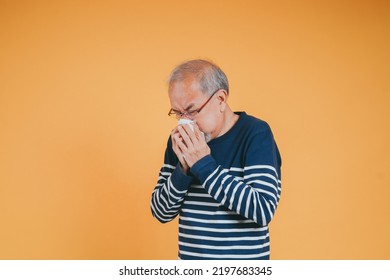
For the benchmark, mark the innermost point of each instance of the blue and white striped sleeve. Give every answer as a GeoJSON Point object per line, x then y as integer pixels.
{"type": "Point", "coordinates": [172, 185]}
{"type": "Point", "coordinates": [256, 194]}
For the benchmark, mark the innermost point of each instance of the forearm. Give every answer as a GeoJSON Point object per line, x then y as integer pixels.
{"type": "Point", "coordinates": [255, 197]}
{"type": "Point", "coordinates": [169, 193]}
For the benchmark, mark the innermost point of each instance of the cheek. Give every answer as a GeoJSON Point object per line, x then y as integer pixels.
{"type": "Point", "coordinates": [207, 125]}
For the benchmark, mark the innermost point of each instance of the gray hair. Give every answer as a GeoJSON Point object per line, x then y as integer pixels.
{"type": "Point", "coordinates": [208, 75]}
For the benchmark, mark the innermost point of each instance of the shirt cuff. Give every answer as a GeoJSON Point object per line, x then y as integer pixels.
{"type": "Point", "coordinates": [179, 179]}
{"type": "Point", "coordinates": [204, 167]}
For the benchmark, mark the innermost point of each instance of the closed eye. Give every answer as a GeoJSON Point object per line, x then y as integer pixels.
{"type": "Point", "coordinates": [192, 113]}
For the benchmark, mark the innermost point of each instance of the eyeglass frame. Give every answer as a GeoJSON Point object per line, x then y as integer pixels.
{"type": "Point", "coordinates": [179, 115]}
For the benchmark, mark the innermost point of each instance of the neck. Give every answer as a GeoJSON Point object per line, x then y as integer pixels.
{"type": "Point", "coordinates": [229, 120]}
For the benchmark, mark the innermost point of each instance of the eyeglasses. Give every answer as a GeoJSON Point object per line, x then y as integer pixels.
{"type": "Point", "coordinates": [190, 114]}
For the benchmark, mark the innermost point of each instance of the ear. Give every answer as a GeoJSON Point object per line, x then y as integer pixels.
{"type": "Point", "coordinates": [222, 99]}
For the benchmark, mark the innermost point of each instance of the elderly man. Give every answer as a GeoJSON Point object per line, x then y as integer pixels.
{"type": "Point", "coordinates": [221, 171]}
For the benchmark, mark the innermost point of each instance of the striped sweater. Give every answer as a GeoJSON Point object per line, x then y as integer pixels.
{"type": "Point", "coordinates": [228, 198]}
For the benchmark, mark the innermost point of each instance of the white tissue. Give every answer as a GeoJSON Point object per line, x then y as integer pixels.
{"type": "Point", "coordinates": [186, 121]}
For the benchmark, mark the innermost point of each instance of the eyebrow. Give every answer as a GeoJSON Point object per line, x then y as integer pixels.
{"type": "Point", "coordinates": [186, 109]}
{"type": "Point", "coordinates": [189, 107]}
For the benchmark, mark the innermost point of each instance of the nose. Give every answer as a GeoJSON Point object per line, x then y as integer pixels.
{"type": "Point", "coordinates": [184, 116]}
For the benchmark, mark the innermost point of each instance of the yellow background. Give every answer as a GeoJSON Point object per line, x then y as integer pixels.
{"type": "Point", "coordinates": [83, 120]}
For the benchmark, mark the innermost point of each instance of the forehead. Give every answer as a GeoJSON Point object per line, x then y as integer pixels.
{"type": "Point", "coordinates": [184, 95]}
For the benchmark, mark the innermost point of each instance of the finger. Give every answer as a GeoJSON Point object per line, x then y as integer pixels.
{"type": "Point", "coordinates": [174, 131]}
{"type": "Point", "coordinates": [187, 128]}
{"type": "Point", "coordinates": [176, 138]}
{"type": "Point", "coordinates": [185, 135]}
{"type": "Point", "coordinates": [173, 140]}
{"type": "Point", "coordinates": [198, 133]}
{"type": "Point", "coordinates": [181, 145]}
{"type": "Point", "coordinates": [176, 142]}
{"type": "Point", "coordinates": [174, 146]}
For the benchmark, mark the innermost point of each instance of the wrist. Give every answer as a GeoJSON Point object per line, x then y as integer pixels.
{"type": "Point", "coordinates": [184, 169]}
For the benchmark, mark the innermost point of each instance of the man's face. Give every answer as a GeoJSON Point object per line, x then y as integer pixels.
{"type": "Point", "coordinates": [185, 96]}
